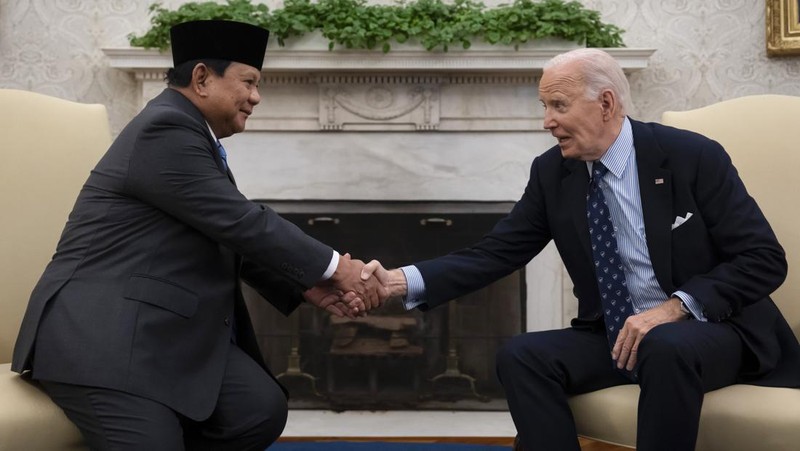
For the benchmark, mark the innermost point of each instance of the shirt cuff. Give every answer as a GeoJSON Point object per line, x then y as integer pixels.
{"type": "Point", "coordinates": [331, 267]}
{"type": "Point", "coordinates": [692, 305]}
{"type": "Point", "coordinates": [415, 287]}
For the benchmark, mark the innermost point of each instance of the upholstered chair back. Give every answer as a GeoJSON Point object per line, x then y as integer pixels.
{"type": "Point", "coordinates": [49, 145]}
{"type": "Point", "coordinates": [760, 133]}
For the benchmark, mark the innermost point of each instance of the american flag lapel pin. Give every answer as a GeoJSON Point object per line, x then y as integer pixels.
{"type": "Point", "coordinates": [659, 181]}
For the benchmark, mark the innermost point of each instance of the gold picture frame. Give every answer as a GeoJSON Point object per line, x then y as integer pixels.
{"type": "Point", "coordinates": [783, 27]}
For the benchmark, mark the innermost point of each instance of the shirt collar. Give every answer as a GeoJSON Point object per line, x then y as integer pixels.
{"type": "Point", "coordinates": [616, 157]}
{"type": "Point", "coordinates": [213, 136]}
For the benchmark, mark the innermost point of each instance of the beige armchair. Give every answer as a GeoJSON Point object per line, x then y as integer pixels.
{"type": "Point", "coordinates": [759, 134]}
{"type": "Point", "coordinates": [49, 147]}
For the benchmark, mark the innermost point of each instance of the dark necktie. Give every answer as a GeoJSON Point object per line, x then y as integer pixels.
{"type": "Point", "coordinates": [223, 155]}
{"type": "Point", "coordinates": [607, 264]}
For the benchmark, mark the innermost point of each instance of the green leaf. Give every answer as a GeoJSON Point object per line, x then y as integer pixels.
{"type": "Point", "coordinates": [433, 23]}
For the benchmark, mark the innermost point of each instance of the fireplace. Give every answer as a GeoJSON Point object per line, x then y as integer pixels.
{"type": "Point", "coordinates": [393, 359]}
{"type": "Point", "coordinates": [366, 132]}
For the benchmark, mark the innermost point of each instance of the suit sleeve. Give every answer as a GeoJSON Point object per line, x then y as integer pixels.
{"type": "Point", "coordinates": [172, 168]}
{"type": "Point", "coordinates": [279, 291]}
{"type": "Point", "coordinates": [510, 245]}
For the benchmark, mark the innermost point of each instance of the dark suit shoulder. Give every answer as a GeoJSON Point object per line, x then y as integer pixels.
{"type": "Point", "coordinates": [171, 117]}
{"type": "Point", "coordinates": [671, 138]}
{"type": "Point", "coordinates": [172, 109]}
{"type": "Point", "coordinates": [675, 144]}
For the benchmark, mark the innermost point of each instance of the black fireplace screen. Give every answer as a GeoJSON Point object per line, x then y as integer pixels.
{"type": "Point", "coordinates": [393, 359]}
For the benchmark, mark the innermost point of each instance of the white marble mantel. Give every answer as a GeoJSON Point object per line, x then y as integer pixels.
{"type": "Point", "coordinates": [311, 88]}
{"type": "Point", "coordinates": [310, 54]}
{"type": "Point", "coordinates": [407, 125]}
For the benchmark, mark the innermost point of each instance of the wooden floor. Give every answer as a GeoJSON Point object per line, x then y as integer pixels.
{"type": "Point", "coordinates": [586, 445]}
{"type": "Point", "coordinates": [590, 445]}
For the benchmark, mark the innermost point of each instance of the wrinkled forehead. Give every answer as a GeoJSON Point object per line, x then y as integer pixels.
{"type": "Point", "coordinates": [561, 80]}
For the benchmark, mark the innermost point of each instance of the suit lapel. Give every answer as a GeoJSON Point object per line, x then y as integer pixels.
{"type": "Point", "coordinates": [655, 187]}
{"type": "Point", "coordinates": [574, 186]}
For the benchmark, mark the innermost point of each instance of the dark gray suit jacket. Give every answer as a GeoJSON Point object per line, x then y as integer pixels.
{"type": "Point", "coordinates": [726, 255]}
{"type": "Point", "coordinates": [143, 291]}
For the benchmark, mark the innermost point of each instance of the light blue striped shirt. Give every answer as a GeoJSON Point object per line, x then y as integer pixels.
{"type": "Point", "coordinates": [621, 189]}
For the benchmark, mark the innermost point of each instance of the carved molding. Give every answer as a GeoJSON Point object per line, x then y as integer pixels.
{"type": "Point", "coordinates": [498, 59]}
{"type": "Point", "coordinates": [482, 89]}
{"type": "Point", "coordinates": [384, 102]}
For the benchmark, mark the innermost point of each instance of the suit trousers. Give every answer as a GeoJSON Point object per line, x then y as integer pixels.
{"type": "Point", "coordinates": [250, 414]}
{"type": "Point", "coordinates": [677, 363]}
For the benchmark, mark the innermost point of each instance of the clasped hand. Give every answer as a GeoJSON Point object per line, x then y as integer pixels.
{"type": "Point", "coordinates": [352, 290]}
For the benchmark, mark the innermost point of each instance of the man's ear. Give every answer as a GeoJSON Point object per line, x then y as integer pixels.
{"type": "Point", "coordinates": [608, 102]}
{"type": "Point", "coordinates": [200, 75]}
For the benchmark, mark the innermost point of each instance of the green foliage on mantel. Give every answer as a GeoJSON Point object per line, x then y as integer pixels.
{"type": "Point", "coordinates": [434, 24]}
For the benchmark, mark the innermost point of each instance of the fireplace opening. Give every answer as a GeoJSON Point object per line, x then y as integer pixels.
{"type": "Point", "coordinates": [394, 359]}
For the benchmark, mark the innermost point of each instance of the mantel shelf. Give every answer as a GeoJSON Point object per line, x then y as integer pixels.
{"type": "Point", "coordinates": [485, 88]}
{"type": "Point", "coordinates": [484, 59]}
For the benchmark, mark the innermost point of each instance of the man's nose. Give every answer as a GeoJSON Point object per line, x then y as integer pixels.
{"type": "Point", "coordinates": [255, 96]}
{"type": "Point", "coordinates": [548, 123]}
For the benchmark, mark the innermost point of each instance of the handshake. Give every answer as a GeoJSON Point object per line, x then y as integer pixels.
{"type": "Point", "coordinates": [356, 288]}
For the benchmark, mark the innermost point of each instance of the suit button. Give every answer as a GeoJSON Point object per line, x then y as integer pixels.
{"type": "Point", "coordinates": [227, 321]}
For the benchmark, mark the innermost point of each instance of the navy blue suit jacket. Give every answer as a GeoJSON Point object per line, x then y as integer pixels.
{"type": "Point", "coordinates": [726, 255]}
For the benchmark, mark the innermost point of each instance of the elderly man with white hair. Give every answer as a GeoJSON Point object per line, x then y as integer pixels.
{"type": "Point", "coordinates": [672, 263]}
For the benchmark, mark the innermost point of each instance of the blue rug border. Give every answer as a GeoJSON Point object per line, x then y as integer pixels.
{"type": "Point", "coordinates": [344, 445]}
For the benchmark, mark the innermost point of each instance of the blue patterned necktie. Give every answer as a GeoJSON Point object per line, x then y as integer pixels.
{"type": "Point", "coordinates": [223, 155]}
{"type": "Point", "coordinates": [607, 263]}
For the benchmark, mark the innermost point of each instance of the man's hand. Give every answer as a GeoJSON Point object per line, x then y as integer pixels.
{"type": "Point", "coordinates": [637, 326]}
{"type": "Point", "coordinates": [347, 278]}
{"type": "Point", "coordinates": [335, 301]}
{"type": "Point", "coordinates": [394, 279]}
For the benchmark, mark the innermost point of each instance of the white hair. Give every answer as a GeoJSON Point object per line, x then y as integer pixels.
{"type": "Point", "coordinates": [599, 71]}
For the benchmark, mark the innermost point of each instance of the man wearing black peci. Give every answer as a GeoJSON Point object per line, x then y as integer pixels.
{"type": "Point", "coordinates": [138, 328]}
